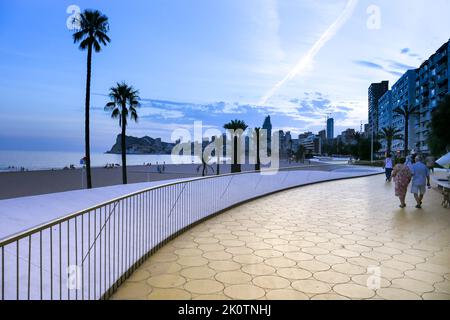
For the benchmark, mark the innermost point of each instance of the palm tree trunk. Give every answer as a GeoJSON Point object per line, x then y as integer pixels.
{"type": "Point", "coordinates": [86, 120]}
{"type": "Point", "coordinates": [237, 165]}
{"type": "Point", "coordinates": [124, 149]}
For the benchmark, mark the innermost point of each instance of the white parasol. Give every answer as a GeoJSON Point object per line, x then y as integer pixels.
{"type": "Point", "coordinates": [444, 161]}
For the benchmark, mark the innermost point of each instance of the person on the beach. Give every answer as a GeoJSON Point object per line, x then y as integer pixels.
{"type": "Point", "coordinates": [388, 167]}
{"type": "Point", "coordinates": [402, 178]}
{"type": "Point", "coordinates": [421, 179]}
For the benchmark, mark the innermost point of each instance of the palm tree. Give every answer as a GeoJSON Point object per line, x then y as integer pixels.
{"type": "Point", "coordinates": [123, 104]}
{"type": "Point", "coordinates": [236, 125]}
{"type": "Point", "coordinates": [91, 35]}
{"type": "Point", "coordinates": [258, 159]}
{"type": "Point", "coordinates": [390, 134]}
{"type": "Point", "coordinates": [407, 111]}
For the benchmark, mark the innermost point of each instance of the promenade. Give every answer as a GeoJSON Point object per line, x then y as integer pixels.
{"type": "Point", "coordinates": [323, 241]}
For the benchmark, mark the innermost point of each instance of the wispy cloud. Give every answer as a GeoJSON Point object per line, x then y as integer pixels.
{"type": "Point", "coordinates": [312, 52]}
{"type": "Point", "coordinates": [376, 66]}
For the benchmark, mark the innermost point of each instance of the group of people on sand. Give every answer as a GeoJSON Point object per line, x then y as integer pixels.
{"type": "Point", "coordinates": [409, 170]}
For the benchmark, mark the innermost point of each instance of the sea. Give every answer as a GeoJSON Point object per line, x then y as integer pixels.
{"type": "Point", "coordinates": [47, 160]}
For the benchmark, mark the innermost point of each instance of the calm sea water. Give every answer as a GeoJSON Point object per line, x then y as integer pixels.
{"type": "Point", "coordinates": [37, 160]}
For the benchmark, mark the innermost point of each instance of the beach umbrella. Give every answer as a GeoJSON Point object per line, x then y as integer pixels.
{"type": "Point", "coordinates": [444, 161]}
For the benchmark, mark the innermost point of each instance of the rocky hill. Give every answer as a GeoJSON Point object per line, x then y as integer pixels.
{"type": "Point", "coordinates": [144, 145]}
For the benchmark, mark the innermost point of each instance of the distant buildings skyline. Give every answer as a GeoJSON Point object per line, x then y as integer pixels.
{"type": "Point", "coordinates": [423, 87]}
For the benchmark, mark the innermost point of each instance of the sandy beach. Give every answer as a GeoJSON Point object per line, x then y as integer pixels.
{"type": "Point", "coordinates": [29, 183]}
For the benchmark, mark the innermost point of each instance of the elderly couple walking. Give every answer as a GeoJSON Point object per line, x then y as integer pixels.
{"type": "Point", "coordinates": [403, 174]}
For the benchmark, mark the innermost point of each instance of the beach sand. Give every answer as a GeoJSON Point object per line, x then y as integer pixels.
{"type": "Point", "coordinates": [29, 183]}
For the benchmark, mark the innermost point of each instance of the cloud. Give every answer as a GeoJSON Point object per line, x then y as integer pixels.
{"type": "Point", "coordinates": [399, 65]}
{"type": "Point", "coordinates": [306, 60]}
{"type": "Point", "coordinates": [376, 66]}
{"type": "Point", "coordinates": [410, 53]}
{"type": "Point", "coordinates": [369, 64]}
{"type": "Point", "coordinates": [405, 50]}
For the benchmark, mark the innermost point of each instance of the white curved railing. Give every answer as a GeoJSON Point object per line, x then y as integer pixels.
{"type": "Point", "coordinates": [88, 254]}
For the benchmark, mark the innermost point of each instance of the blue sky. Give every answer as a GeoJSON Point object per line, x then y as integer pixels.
{"type": "Point", "coordinates": [297, 60]}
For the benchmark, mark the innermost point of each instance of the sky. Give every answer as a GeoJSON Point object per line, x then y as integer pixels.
{"type": "Point", "coordinates": [209, 61]}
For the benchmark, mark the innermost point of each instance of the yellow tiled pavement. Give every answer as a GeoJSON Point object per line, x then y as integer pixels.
{"type": "Point", "coordinates": [322, 241]}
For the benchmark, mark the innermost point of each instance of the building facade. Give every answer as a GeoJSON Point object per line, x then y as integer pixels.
{"type": "Point", "coordinates": [431, 86]}
{"type": "Point", "coordinates": [376, 91]}
{"type": "Point", "coordinates": [404, 96]}
{"type": "Point", "coordinates": [330, 128]}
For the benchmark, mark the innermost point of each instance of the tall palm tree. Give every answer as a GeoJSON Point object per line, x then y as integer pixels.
{"type": "Point", "coordinates": [258, 159]}
{"type": "Point", "coordinates": [92, 34]}
{"type": "Point", "coordinates": [390, 134]}
{"type": "Point", "coordinates": [123, 104]}
{"type": "Point", "coordinates": [235, 125]}
{"type": "Point", "coordinates": [407, 111]}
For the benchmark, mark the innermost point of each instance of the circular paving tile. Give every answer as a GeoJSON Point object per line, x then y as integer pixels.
{"type": "Point", "coordinates": [424, 276]}
{"type": "Point", "coordinates": [203, 286]}
{"type": "Point", "coordinates": [224, 265]}
{"type": "Point", "coordinates": [313, 265]}
{"type": "Point", "coordinates": [239, 250]}
{"type": "Point", "coordinates": [286, 294]}
{"type": "Point", "coordinates": [166, 281]}
{"type": "Point", "coordinates": [211, 247]}
{"type": "Point", "coordinates": [198, 273]}
{"type": "Point", "coordinates": [233, 277]}
{"type": "Point", "coordinates": [367, 280]}
{"type": "Point", "coordinates": [247, 259]}
{"type": "Point", "coordinates": [397, 294]}
{"type": "Point", "coordinates": [207, 240]}
{"type": "Point", "coordinates": [217, 255]}
{"type": "Point", "coordinates": [311, 286]}
{"type": "Point", "coordinates": [139, 275]}
{"type": "Point", "coordinates": [232, 243]}
{"type": "Point", "coordinates": [169, 294]}
{"type": "Point", "coordinates": [244, 292]}
{"type": "Point", "coordinates": [331, 277]}
{"type": "Point", "coordinates": [294, 273]}
{"type": "Point", "coordinates": [188, 252]}
{"type": "Point", "coordinates": [299, 256]}
{"type": "Point", "coordinates": [268, 253]}
{"type": "Point", "coordinates": [354, 291]}
{"type": "Point", "coordinates": [271, 282]}
{"type": "Point", "coordinates": [345, 253]}
{"type": "Point", "coordinates": [132, 291]}
{"type": "Point", "coordinates": [329, 296]}
{"type": "Point", "coordinates": [258, 269]}
{"type": "Point", "coordinates": [192, 261]}
{"type": "Point", "coordinates": [286, 248]}
{"type": "Point", "coordinates": [330, 259]}
{"type": "Point", "coordinates": [161, 267]}
{"type": "Point", "coordinates": [163, 257]}
{"type": "Point", "coordinates": [280, 262]}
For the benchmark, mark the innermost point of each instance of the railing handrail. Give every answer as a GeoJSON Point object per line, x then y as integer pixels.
{"type": "Point", "coordinates": [46, 225]}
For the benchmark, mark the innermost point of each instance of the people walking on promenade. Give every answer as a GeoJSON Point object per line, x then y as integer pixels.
{"type": "Point", "coordinates": [410, 160]}
{"type": "Point", "coordinates": [430, 161]}
{"type": "Point", "coordinates": [421, 179]}
{"type": "Point", "coordinates": [402, 178]}
{"type": "Point", "coordinates": [388, 167]}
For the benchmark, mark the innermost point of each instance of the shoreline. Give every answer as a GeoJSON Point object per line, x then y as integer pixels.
{"type": "Point", "coordinates": [14, 184]}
